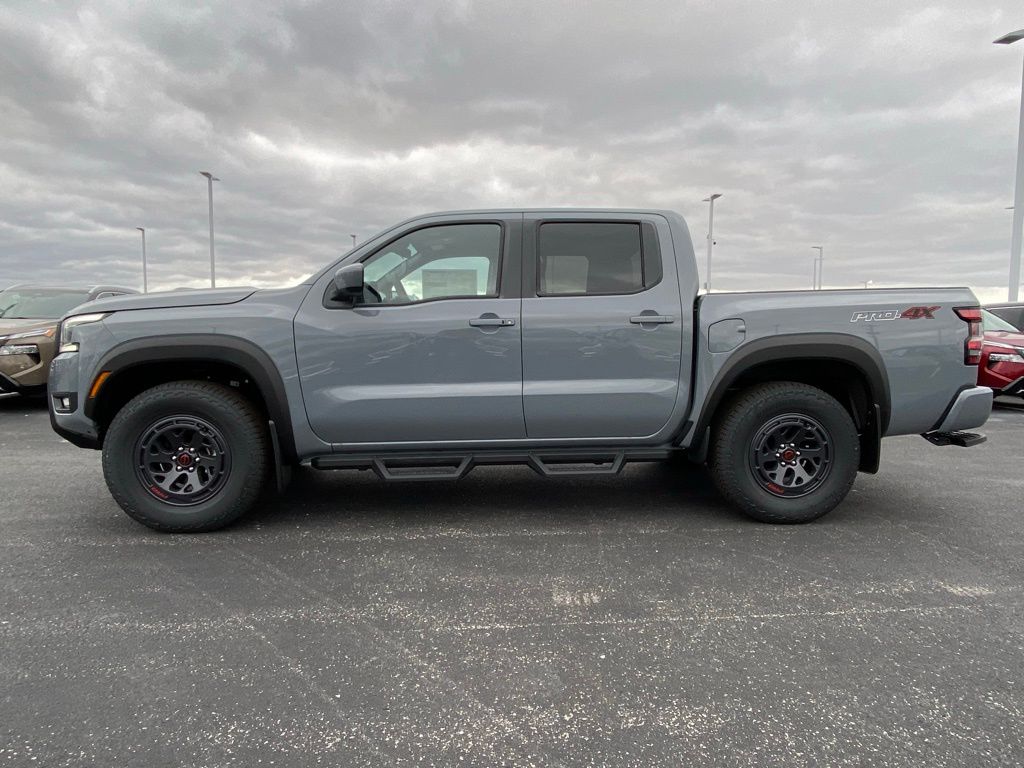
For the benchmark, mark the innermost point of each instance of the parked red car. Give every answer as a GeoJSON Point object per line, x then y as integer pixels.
{"type": "Point", "coordinates": [1002, 356]}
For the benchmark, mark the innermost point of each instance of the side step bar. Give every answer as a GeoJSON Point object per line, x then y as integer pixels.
{"type": "Point", "coordinates": [557, 462]}
{"type": "Point", "coordinates": [962, 439]}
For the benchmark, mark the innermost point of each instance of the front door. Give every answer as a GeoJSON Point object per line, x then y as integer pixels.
{"type": "Point", "coordinates": [432, 353]}
{"type": "Point", "coordinates": [602, 327]}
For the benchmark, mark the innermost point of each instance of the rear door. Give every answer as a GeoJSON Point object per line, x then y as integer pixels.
{"type": "Point", "coordinates": [602, 326]}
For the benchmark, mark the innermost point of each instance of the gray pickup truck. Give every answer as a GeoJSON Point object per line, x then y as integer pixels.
{"type": "Point", "coordinates": [571, 341]}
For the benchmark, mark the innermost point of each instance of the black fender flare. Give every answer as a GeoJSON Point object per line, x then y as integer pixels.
{"type": "Point", "coordinates": [215, 348]}
{"type": "Point", "coordinates": [802, 347]}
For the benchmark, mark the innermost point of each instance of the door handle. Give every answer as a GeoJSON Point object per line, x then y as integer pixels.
{"type": "Point", "coordinates": [652, 319]}
{"type": "Point", "coordinates": [491, 321]}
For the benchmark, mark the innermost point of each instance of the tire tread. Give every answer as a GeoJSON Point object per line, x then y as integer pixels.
{"type": "Point", "coordinates": [726, 441]}
{"type": "Point", "coordinates": [254, 438]}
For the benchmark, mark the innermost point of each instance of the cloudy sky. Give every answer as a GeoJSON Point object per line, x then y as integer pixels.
{"type": "Point", "coordinates": [885, 131]}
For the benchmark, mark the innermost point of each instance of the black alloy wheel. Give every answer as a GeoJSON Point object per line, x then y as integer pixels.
{"type": "Point", "coordinates": [791, 455]}
{"type": "Point", "coordinates": [182, 460]}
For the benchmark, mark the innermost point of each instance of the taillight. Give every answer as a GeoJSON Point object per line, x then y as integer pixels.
{"type": "Point", "coordinates": [975, 339]}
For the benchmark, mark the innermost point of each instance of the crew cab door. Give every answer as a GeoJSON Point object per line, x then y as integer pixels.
{"type": "Point", "coordinates": [602, 326]}
{"type": "Point", "coordinates": [433, 351]}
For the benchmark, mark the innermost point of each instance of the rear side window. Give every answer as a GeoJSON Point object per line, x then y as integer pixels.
{"type": "Point", "coordinates": [592, 259]}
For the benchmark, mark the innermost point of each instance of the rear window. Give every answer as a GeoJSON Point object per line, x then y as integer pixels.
{"type": "Point", "coordinates": [592, 259]}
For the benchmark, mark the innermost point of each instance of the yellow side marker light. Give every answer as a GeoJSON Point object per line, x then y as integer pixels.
{"type": "Point", "coordinates": [104, 375]}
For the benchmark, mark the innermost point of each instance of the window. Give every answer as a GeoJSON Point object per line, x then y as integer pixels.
{"type": "Point", "coordinates": [593, 258]}
{"type": "Point", "coordinates": [39, 303]}
{"type": "Point", "coordinates": [990, 322]}
{"type": "Point", "coordinates": [444, 262]}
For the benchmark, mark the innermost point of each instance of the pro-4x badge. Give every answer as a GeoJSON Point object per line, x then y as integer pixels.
{"type": "Point", "coordinates": [911, 313]}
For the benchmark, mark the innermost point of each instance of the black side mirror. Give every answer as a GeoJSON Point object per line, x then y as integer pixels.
{"type": "Point", "coordinates": [348, 283]}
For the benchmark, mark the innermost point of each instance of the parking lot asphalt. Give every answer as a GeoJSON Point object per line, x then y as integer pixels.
{"type": "Point", "coordinates": [508, 619]}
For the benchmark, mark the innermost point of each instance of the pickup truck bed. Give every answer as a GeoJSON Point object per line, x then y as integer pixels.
{"type": "Point", "coordinates": [566, 340]}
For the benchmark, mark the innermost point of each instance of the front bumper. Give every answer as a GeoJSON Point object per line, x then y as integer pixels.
{"type": "Point", "coordinates": [1014, 388]}
{"type": "Point", "coordinates": [11, 386]}
{"type": "Point", "coordinates": [971, 408]}
{"type": "Point", "coordinates": [73, 425]}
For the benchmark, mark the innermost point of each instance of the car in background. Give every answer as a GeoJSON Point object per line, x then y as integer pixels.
{"type": "Point", "coordinates": [29, 315]}
{"type": "Point", "coordinates": [1002, 356]}
{"type": "Point", "coordinates": [1011, 313]}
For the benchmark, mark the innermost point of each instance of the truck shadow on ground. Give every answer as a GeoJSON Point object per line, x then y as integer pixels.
{"type": "Point", "coordinates": [659, 490]}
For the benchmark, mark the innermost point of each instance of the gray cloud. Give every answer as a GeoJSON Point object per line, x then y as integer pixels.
{"type": "Point", "coordinates": [887, 134]}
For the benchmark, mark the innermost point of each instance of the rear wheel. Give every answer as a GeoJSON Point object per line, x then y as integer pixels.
{"type": "Point", "coordinates": [784, 452]}
{"type": "Point", "coordinates": [187, 456]}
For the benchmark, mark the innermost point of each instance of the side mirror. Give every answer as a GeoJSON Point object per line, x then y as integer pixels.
{"type": "Point", "coordinates": [348, 283]}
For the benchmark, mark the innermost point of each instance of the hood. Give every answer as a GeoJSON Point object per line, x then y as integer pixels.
{"type": "Point", "coordinates": [165, 300]}
{"type": "Point", "coordinates": [10, 326]}
{"type": "Point", "coordinates": [1005, 338]}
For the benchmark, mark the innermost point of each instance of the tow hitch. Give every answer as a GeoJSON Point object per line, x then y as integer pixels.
{"type": "Point", "coordinates": [963, 439]}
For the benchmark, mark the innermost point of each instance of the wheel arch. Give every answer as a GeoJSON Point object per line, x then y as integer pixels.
{"type": "Point", "coordinates": [846, 367]}
{"type": "Point", "coordinates": [141, 363]}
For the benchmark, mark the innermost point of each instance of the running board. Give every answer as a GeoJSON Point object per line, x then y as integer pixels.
{"type": "Point", "coordinates": [443, 465]}
{"type": "Point", "coordinates": [962, 439]}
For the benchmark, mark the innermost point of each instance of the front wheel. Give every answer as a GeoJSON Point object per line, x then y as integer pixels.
{"type": "Point", "coordinates": [185, 457]}
{"type": "Point", "coordinates": [784, 452]}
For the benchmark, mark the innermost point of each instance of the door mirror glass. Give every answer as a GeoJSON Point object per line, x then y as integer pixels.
{"type": "Point", "coordinates": [348, 283]}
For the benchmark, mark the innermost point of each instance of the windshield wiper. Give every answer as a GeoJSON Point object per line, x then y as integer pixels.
{"type": "Point", "coordinates": [3, 312]}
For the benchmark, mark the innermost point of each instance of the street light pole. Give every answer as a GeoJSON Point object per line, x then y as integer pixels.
{"type": "Point", "coordinates": [145, 280]}
{"type": "Point", "coordinates": [1018, 188]}
{"type": "Point", "coordinates": [821, 263]}
{"type": "Point", "coordinates": [711, 234]}
{"type": "Point", "coordinates": [210, 178]}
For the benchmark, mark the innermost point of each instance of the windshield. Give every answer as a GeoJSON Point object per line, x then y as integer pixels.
{"type": "Point", "coordinates": [39, 303]}
{"type": "Point", "coordinates": [991, 322]}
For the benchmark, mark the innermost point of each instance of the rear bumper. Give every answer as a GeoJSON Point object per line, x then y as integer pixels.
{"type": "Point", "coordinates": [971, 408]}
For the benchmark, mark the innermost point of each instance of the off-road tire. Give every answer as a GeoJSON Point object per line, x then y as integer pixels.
{"type": "Point", "coordinates": [731, 458]}
{"type": "Point", "coordinates": [238, 422]}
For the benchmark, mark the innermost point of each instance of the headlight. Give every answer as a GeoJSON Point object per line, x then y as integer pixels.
{"type": "Point", "coordinates": [67, 342]}
{"type": "Point", "coordinates": [47, 332]}
{"type": "Point", "coordinates": [19, 349]}
{"type": "Point", "coordinates": [1005, 357]}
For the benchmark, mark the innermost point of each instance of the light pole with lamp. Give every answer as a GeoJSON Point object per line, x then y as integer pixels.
{"type": "Point", "coordinates": [819, 263]}
{"type": "Point", "coordinates": [145, 280]}
{"type": "Point", "coordinates": [1018, 187]}
{"type": "Point", "coordinates": [210, 178]}
{"type": "Point", "coordinates": [711, 234]}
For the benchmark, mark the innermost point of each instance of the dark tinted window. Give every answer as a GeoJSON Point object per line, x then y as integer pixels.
{"type": "Point", "coordinates": [590, 258]}
{"type": "Point", "coordinates": [1013, 315]}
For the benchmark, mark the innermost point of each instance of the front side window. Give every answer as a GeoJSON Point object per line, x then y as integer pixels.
{"type": "Point", "coordinates": [590, 258]}
{"type": "Point", "coordinates": [444, 262]}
